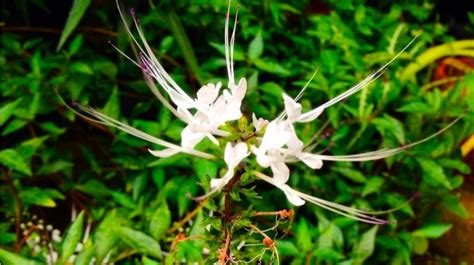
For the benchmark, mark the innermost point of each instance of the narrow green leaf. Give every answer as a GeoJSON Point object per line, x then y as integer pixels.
{"type": "Point", "coordinates": [453, 204]}
{"type": "Point", "coordinates": [352, 174]}
{"type": "Point", "coordinates": [7, 110]}
{"type": "Point", "coordinates": [78, 9]}
{"type": "Point", "coordinates": [36, 196]}
{"type": "Point", "coordinates": [432, 230]}
{"type": "Point", "coordinates": [255, 49]}
{"type": "Point", "coordinates": [183, 42]}
{"type": "Point", "coordinates": [72, 237]}
{"type": "Point", "coordinates": [11, 159]}
{"type": "Point", "coordinates": [28, 148]}
{"type": "Point", "coordinates": [303, 235]}
{"type": "Point", "coordinates": [140, 241]}
{"type": "Point", "coordinates": [9, 258]}
{"type": "Point", "coordinates": [112, 107]}
{"type": "Point", "coordinates": [160, 221]}
{"type": "Point", "coordinates": [85, 257]}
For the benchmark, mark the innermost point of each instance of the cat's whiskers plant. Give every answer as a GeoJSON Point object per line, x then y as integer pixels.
{"type": "Point", "coordinates": [274, 143]}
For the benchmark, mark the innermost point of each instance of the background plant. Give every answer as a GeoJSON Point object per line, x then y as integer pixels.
{"type": "Point", "coordinates": [135, 207]}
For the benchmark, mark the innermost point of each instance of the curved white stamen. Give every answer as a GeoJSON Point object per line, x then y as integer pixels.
{"type": "Point", "coordinates": [337, 208]}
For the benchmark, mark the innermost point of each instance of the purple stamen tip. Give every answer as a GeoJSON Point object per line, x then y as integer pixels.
{"type": "Point", "coordinates": [109, 42]}
{"type": "Point", "coordinates": [74, 103]}
{"type": "Point", "coordinates": [132, 11]}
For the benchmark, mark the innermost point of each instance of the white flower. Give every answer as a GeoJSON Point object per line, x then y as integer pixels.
{"type": "Point", "coordinates": [203, 114]}
{"type": "Point", "coordinates": [233, 155]}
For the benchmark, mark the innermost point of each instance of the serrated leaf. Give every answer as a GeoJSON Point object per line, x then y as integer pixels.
{"type": "Point", "coordinates": [72, 238]}
{"type": "Point", "coordinates": [433, 173]}
{"type": "Point", "coordinates": [432, 230]}
{"type": "Point", "coordinates": [7, 110]}
{"type": "Point", "coordinates": [390, 125]}
{"type": "Point", "coordinates": [139, 241]}
{"type": "Point", "coordinates": [373, 185]}
{"type": "Point", "coordinates": [11, 159]}
{"type": "Point", "coordinates": [160, 221]}
{"type": "Point", "coordinates": [78, 9]}
{"type": "Point", "coordinates": [255, 49]}
{"type": "Point", "coordinates": [365, 247]}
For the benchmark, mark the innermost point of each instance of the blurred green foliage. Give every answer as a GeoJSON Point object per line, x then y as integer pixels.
{"type": "Point", "coordinates": [55, 164]}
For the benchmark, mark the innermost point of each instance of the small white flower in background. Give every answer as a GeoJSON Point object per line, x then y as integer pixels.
{"type": "Point", "coordinates": [213, 107]}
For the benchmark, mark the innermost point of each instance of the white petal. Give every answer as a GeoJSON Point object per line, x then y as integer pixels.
{"type": "Point", "coordinates": [190, 138]}
{"type": "Point", "coordinates": [207, 94]}
{"type": "Point", "coordinates": [311, 115]}
{"type": "Point", "coordinates": [292, 198]}
{"type": "Point", "coordinates": [164, 153]}
{"type": "Point", "coordinates": [238, 92]}
{"type": "Point", "coordinates": [293, 109]}
{"type": "Point", "coordinates": [180, 100]}
{"type": "Point", "coordinates": [258, 123]}
{"type": "Point", "coordinates": [281, 173]}
{"type": "Point", "coordinates": [276, 135]}
{"type": "Point", "coordinates": [233, 155]}
{"type": "Point", "coordinates": [311, 160]}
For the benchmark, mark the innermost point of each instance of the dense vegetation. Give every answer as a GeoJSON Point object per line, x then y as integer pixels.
{"type": "Point", "coordinates": [74, 191]}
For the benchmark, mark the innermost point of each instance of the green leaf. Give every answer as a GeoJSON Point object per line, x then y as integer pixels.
{"type": "Point", "coordinates": [453, 204]}
{"type": "Point", "coordinates": [372, 186]}
{"type": "Point", "coordinates": [419, 245]}
{"type": "Point", "coordinates": [459, 165]}
{"type": "Point", "coordinates": [78, 9]}
{"type": "Point", "coordinates": [433, 173]}
{"type": "Point", "coordinates": [85, 257]}
{"type": "Point", "coordinates": [105, 237]}
{"type": "Point", "coordinates": [75, 44]}
{"type": "Point", "coordinates": [72, 237]}
{"type": "Point", "coordinates": [352, 174]}
{"type": "Point", "coordinates": [303, 236]}
{"type": "Point", "coordinates": [391, 125]}
{"type": "Point", "coordinates": [112, 107]}
{"type": "Point", "coordinates": [415, 107]}
{"type": "Point", "coordinates": [160, 221]}
{"type": "Point", "coordinates": [14, 125]}
{"type": "Point", "coordinates": [37, 196]}
{"type": "Point", "coordinates": [9, 258]}
{"type": "Point", "coordinates": [28, 148]}
{"type": "Point", "coordinates": [179, 33]}
{"type": "Point", "coordinates": [432, 230]}
{"type": "Point", "coordinates": [81, 67]}
{"type": "Point", "coordinates": [271, 67]}
{"type": "Point", "coordinates": [7, 110]}
{"type": "Point", "coordinates": [11, 159]}
{"type": "Point", "coordinates": [147, 261]}
{"type": "Point", "coordinates": [140, 241]}
{"type": "Point", "coordinates": [329, 60]}
{"type": "Point", "coordinates": [255, 49]}
{"type": "Point", "coordinates": [365, 247]}
{"type": "Point", "coordinates": [205, 169]}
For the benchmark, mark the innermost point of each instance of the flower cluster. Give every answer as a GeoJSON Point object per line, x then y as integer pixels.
{"type": "Point", "coordinates": [214, 106]}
